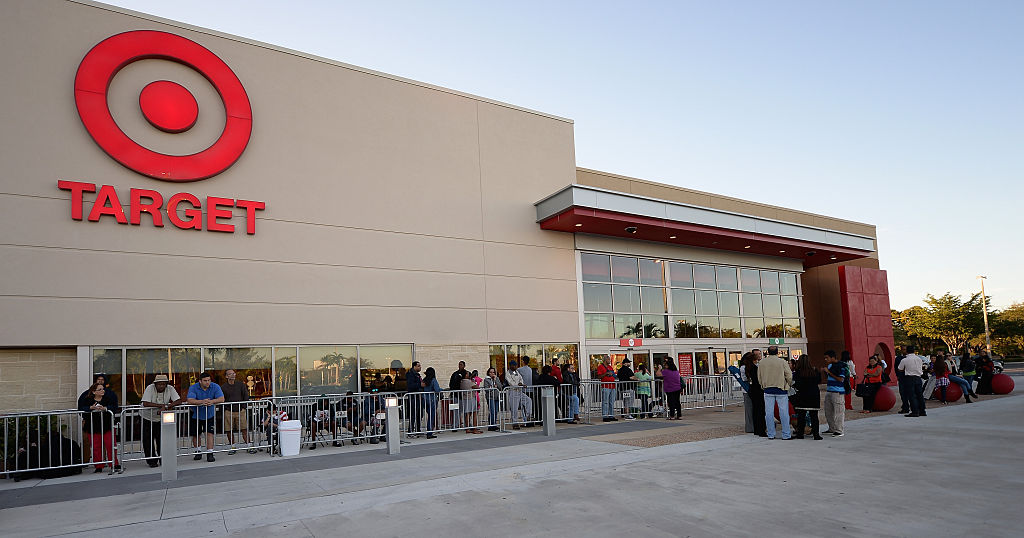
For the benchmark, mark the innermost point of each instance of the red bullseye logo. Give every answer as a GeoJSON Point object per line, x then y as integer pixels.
{"type": "Point", "coordinates": [166, 105]}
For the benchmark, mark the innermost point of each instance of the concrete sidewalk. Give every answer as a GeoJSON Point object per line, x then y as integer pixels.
{"type": "Point", "coordinates": [956, 472]}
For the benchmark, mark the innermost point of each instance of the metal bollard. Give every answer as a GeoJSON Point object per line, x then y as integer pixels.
{"type": "Point", "coordinates": [547, 395]}
{"type": "Point", "coordinates": [168, 447]}
{"type": "Point", "coordinates": [394, 438]}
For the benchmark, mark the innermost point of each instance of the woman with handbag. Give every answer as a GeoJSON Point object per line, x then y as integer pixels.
{"type": "Point", "coordinates": [872, 381]}
{"type": "Point", "coordinates": [807, 400]}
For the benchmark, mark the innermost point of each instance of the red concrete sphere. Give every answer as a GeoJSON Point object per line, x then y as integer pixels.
{"type": "Point", "coordinates": [1002, 384]}
{"type": "Point", "coordinates": [884, 399]}
{"type": "Point", "coordinates": [953, 392]}
{"type": "Point", "coordinates": [791, 411]}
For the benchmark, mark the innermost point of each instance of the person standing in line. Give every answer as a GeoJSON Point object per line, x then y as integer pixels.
{"type": "Point", "coordinates": [807, 400]}
{"type": "Point", "coordinates": [851, 369]}
{"type": "Point", "coordinates": [413, 387]}
{"type": "Point", "coordinates": [468, 402]}
{"type": "Point", "coordinates": [835, 391]}
{"type": "Point", "coordinates": [492, 395]}
{"type": "Point", "coordinates": [98, 423]}
{"type": "Point", "coordinates": [205, 395]}
{"type": "Point", "coordinates": [872, 382]}
{"type": "Point", "coordinates": [756, 394]}
{"type": "Point", "coordinates": [572, 385]}
{"type": "Point", "coordinates": [84, 400]}
{"type": "Point", "coordinates": [455, 384]}
{"type": "Point", "coordinates": [643, 389]}
{"type": "Point", "coordinates": [626, 379]}
{"type": "Point", "coordinates": [158, 397]}
{"type": "Point", "coordinates": [607, 375]}
{"type": "Point", "coordinates": [560, 403]}
{"type": "Point", "coordinates": [901, 383]}
{"type": "Point", "coordinates": [748, 406]}
{"type": "Point", "coordinates": [775, 377]}
{"type": "Point", "coordinates": [529, 376]}
{"type": "Point", "coordinates": [913, 367]}
{"type": "Point", "coordinates": [672, 383]}
{"type": "Point", "coordinates": [236, 412]}
{"type": "Point", "coordinates": [518, 399]}
{"type": "Point", "coordinates": [431, 392]}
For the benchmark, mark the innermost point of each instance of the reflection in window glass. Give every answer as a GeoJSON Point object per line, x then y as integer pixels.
{"type": "Point", "coordinates": [787, 283]}
{"type": "Point", "coordinates": [731, 327]}
{"type": "Point", "coordinates": [327, 369]}
{"type": "Point", "coordinates": [595, 267]}
{"type": "Point", "coordinates": [729, 304]}
{"type": "Point", "coordinates": [792, 328]}
{"type": "Point", "coordinates": [772, 305]}
{"type": "Point", "coordinates": [789, 306]}
{"type": "Point", "coordinates": [681, 274]}
{"type": "Point", "coordinates": [684, 327]}
{"type": "Point", "coordinates": [383, 368]}
{"type": "Point", "coordinates": [512, 352]}
{"type": "Point", "coordinates": [655, 327]}
{"type": "Point", "coordinates": [754, 327]}
{"type": "Point", "coordinates": [565, 353]}
{"type": "Point", "coordinates": [653, 300]}
{"type": "Point", "coordinates": [181, 365]}
{"type": "Point", "coordinates": [285, 372]}
{"type": "Point", "coordinates": [769, 282]}
{"type": "Point", "coordinates": [251, 366]}
{"type": "Point", "coordinates": [708, 328]}
{"type": "Point", "coordinates": [750, 279]}
{"type": "Point", "coordinates": [624, 270]}
{"type": "Point", "coordinates": [752, 304]}
{"type": "Point", "coordinates": [497, 359]}
{"type": "Point", "coordinates": [626, 298]}
{"type": "Point", "coordinates": [597, 297]}
{"type": "Point", "coordinates": [108, 363]}
{"type": "Point", "coordinates": [707, 303]}
{"type": "Point", "coordinates": [628, 326]}
{"type": "Point", "coordinates": [726, 278]}
{"type": "Point", "coordinates": [773, 328]}
{"type": "Point", "coordinates": [682, 302]}
{"type": "Point", "coordinates": [704, 276]}
{"type": "Point", "coordinates": [652, 272]}
{"type": "Point", "coordinates": [597, 326]}
{"type": "Point", "coordinates": [533, 352]}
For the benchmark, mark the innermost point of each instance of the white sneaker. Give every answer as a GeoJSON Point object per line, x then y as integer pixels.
{"type": "Point", "coordinates": [628, 417]}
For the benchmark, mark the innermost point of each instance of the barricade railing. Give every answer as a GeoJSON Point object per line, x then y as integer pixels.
{"type": "Point", "coordinates": [336, 418]}
{"type": "Point", "coordinates": [629, 399]}
{"type": "Point", "coordinates": [472, 410]}
{"type": "Point", "coordinates": [50, 444]}
{"type": "Point", "coordinates": [521, 406]}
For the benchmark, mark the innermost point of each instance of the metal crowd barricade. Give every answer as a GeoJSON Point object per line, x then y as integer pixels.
{"type": "Point", "coordinates": [139, 437]}
{"type": "Point", "coordinates": [429, 413]}
{"type": "Point", "coordinates": [337, 418]}
{"type": "Point", "coordinates": [704, 391]}
{"type": "Point", "coordinates": [49, 444]}
{"type": "Point", "coordinates": [521, 406]}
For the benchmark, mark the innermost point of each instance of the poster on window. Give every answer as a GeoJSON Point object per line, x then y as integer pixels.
{"type": "Point", "coordinates": [686, 364]}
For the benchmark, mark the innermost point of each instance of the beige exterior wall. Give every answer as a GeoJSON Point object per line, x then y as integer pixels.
{"type": "Point", "coordinates": [445, 359]}
{"type": "Point", "coordinates": [396, 211]}
{"type": "Point", "coordinates": [38, 379]}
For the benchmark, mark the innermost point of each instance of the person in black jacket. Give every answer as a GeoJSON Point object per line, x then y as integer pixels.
{"type": "Point", "coordinates": [413, 386]}
{"type": "Point", "coordinates": [455, 383]}
{"type": "Point", "coordinates": [98, 423]}
{"type": "Point", "coordinates": [571, 387]}
{"type": "Point", "coordinates": [756, 394]}
{"type": "Point", "coordinates": [807, 400]}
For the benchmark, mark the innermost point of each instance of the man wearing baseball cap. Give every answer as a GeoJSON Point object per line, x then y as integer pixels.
{"type": "Point", "coordinates": [158, 397]}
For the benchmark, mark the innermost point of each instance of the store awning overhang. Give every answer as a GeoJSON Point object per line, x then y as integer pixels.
{"type": "Point", "coordinates": [591, 210]}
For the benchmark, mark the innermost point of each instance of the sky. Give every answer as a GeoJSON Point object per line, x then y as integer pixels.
{"type": "Point", "coordinates": [907, 115]}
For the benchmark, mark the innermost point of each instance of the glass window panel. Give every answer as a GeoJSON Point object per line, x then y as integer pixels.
{"type": "Point", "coordinates": [787, 283]}
{"type": "Point", "coordinates": [681, 274]}
{"type": "Point", "coordinates": [772, 305]}
{"type": "Point", "coordinates": [107, 361]}
{"type": "Point", "coordinates": [682, 302]}
{"type": "Point", "coordinates": [793, 328]}
{"type": "Point", "coordinates": [752, 304]}
{"type": "Point", "coordinates": [653, 300]}
{"type": "Point", "coordinates": [719, 360]}
{"type": "Point", "coordinates": [652, 272]}
{"type": "Point", "coordinates": [512, 352]}
{"type": "Point", "coordinates": [790, 306]}
{"type": "Point", "coordinates": [251, 366]}
{"type": "Point", "coordinates": [708, 328]}
{"type": "Point", "coordinates": [707, 303]}
{"type": "Point", "coordinates": [728, 304]}
{"type": "Point", "coordinates": [731, 327]}
{"type": "Point", "coordinates": [181, 365]}
{"type": "Point", "coordinates": [565, 353]}
{"type": "Point", "coordinates": [595, 267]}
{"type": "Point", "coordinates": [750, 280]}
{"type": "Point", "coordinates": [285, 372]}
{"type": "Point", "coordinates": [597, 326]}
{"type": "Point", "coordinates": [769, 282]}
{"type": "Point", "coordinates": [684, 326]}
{"type": "Point", "coordinates": [624, 270]}
{"type": "Point", "coordinates": [704, 276]}
{"type": "Point", "coordinates": [626, 298]}
{"type": "Point", "coordinates": [533, 352]}
{"type": "Point", "coordinates": [655, 327]}
{"type": "Point", "coordinates": [497, 359]}
{"type": "Point", "coordinates": [628, 326]}
{"type": "Point", "coordinates": [726, 278]}
{"type": "Point", "coordinates": [754, 327]}
{"type": "Point", "coordinates": [597, 297]}
{"type": "Point", "coordinates": [596, 359]}
{"type": "Point", "coordinates": [327, 369]}
{"type": "Point", "coordinates": [382, 368]}
{"type": "Point", "coordinates": [773, 328]}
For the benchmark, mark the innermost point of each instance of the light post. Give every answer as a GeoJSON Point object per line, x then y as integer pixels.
{"type": "Point", "coordinates": [984, 313]}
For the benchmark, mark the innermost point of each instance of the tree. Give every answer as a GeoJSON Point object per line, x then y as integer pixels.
{"type": "Point", "coordinates": [948, 318]}
{"type": "Point", "coordinates": [1008, 330]}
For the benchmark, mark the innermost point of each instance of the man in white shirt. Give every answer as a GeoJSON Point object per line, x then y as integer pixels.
{"type": "Point", "coordinates": [913, 366]}
{"type": "Point", "coordinates": [158, 397]}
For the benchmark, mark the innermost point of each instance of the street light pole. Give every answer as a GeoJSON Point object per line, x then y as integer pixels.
{"type": "Point", "coordinates": [984, 313]}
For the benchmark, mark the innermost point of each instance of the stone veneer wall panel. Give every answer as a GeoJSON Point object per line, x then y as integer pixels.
{"type": "Point", "coordinates": [38, 379]}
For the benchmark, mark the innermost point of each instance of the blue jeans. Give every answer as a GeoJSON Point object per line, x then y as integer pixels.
{"type": "Point", "coordinates": [492, 412]}
{"type": "Point", "coordinates": [963, 384]}
{"type": "Point", "coordinates": [769, 414]}
{"type": "Point", "coordinates": [608, 402]}
{"type": "Point", "coordinates": [574, 405]}
{"type": "Point", "coordinates": [431, 412]}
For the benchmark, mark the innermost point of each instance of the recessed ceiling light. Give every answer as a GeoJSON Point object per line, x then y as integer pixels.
{"type": "Point", "coordinates": [714, 242]}
{"type": "Point", "coordinates": [671, 237]}
{"type": "Point", "coordinates": [782, 252]}
{"type": "Point", "coordinates": [748, 246]}
{"type": "Point", "coordinates": [578, 225]}
{"type": "Point", "coordinates": [832, 258]}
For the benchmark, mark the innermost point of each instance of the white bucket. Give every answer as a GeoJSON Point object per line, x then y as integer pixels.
{"type": "Point", "coordinates": [289, 435]}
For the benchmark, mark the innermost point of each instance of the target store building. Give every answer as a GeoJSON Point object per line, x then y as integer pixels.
{"type": "Point", "coordinates": [174, 200]}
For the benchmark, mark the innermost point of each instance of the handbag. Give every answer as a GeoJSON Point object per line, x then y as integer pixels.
{"type": "Point", "coordinates": [885, 378]}
{"type": "Point", "coordinates": [862, 390]}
